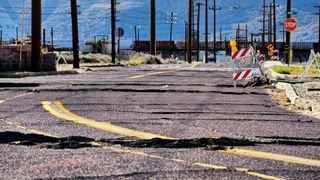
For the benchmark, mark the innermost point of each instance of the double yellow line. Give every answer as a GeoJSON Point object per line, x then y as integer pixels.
{"type": "Point", "coordinates": [139, 153]}
{"type": "Point", "coordinates": [72, 117]}
{"type": "Point", "coordinates": [57, 109]}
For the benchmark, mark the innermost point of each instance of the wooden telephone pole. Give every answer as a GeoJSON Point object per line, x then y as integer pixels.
{"type": "Point", "coordinates": [36, 35]}
{"type": "Point", "coordinates": [288, 36]}
{"type": "Point", "coordinates": [214, 8]}
{"type": "Point", "coordinates": [113, 30]}
{"type": "Point", "coordinates": [75, 34]}
{"type": "Point", "coordinates": [152, 27]}
{"type": "Point", "coordinates": [190, 32]}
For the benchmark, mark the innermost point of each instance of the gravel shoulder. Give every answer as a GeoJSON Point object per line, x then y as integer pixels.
{"type": "Point", "coordinates": [302, 97]}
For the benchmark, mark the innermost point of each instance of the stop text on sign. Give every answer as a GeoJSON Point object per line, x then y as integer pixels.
{"type": "Point", "coordinates": [290, 24]}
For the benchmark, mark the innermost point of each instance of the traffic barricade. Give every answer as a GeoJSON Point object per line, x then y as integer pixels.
{"type": "Point", "coordinates": [246, 66]}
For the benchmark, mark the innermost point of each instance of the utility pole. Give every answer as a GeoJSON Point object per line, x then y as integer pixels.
{"type": "Point", "coordinates": [220, 38]}
{"type": "Point", "coordinates": [190, 32]}
{"type": "Point", "coordinates": [153, 27]}
{"type": "Point", "coordinates": [269, 25]}
{"type": "Point", "coordinates": [288, 52]}
{"type": "Point", "coordinates": [238, 36]}
{"type": "Point", "coordinates": [198, 30]}
{"type": "Point", "coordinates": [22, 30]}
{"type": "Point", "coordinates": [274, 25]}
{"type": "Point", "coordinates": [186, 40]}
{"type": "Point", "coordinates": [138, 43]}
{"type": "Point", "coordinates": [246, 35]}
{"type": "Point", "coordinates": [241, 39]}
{"type": "Point", "coordinates": [113, 31]}
{"type": "Point", "coordinates": [36, 35]}
{"type": "Point", "coordinates": [17, 34]}
{"type": "Point", "coordinates": [135, 37]}
{"type": "Point", "coordinates": [283, 38]}
{"type": "Point", "coordinates": [214, 28]}
{"type": "Point", "coordinates": [263, 25]}
{"type": "Point", "coordinates": [75, 34]}
{"type": "Point", "coordinates": [206, 32]}
{"type": "Point", "coordinates": [44, 37]}
{"type": "Point", "coordinates": [51, 39]}
{"type": "Point", "coordinates": [225, 43]}
{"type": "Point", "coordinates": [318, 27]}
{"type": "Point", "coordinates": [172, 17]}
{"type": "Point", "coordinates": [1, 37]}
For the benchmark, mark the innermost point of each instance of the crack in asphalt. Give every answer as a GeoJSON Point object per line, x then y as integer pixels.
{"type": "Point", "coordinates": [221, 143]}
{"type": "Point", "coordinates": [15, 85]}
{"type": "Point", "coordinates": [72, 142]}
{"type": "Point", "coordinates": [90, 89]}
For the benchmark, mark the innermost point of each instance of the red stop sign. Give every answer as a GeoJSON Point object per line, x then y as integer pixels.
{"type": "Point", "coordinates": [290, 24]}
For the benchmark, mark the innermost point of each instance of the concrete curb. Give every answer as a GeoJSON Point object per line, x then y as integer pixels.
{"type": "Point", "coordinates": [304, 104]}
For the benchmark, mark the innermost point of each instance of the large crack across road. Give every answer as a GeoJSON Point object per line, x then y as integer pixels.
{"type": "Point", "coordinates": [221, 143]}
{"type": "Point", "coordinates": [90, 89]}
{"type": "Point", "coordinates": [17, 85]}
{"type": "Point", "coordinates": [215, 143]}
{"type": "Point", "coordinates": [17, 138]}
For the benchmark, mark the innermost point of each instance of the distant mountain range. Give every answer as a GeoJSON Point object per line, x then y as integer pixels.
{"type": "Point", "coordinates": [94, 18]}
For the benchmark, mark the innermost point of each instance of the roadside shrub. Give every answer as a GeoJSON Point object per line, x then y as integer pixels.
{"type": "Point", "coordinates": [85, 58]}
{"type": "Point", "coordinates": [293, 70]}
{"type": "Point", "coordinates": [95, 58]}
{"type": "Point", "coordinates": [282, 69]}
{"type": "Point", "coordinates": [141, 59]}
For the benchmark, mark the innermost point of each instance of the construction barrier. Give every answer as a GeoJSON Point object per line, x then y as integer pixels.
{"type": "Point", "coordinates": [245, 57]}
{"type": "Point", "coordinates": [254, 72]}
{"type": "Point", "coordinates": [313, 58]}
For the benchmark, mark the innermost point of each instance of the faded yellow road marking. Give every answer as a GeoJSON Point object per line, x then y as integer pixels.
{"type": "Point", "coordinates": [152, 74]}
{"type": "Point", "coordinates": [27, 129]}
{"type": "Point", "coordinates": [126, 151]}
{"type": "Point", "coordinates": [145, 135]}
{"type": "Point", "coordinates": [58, 110]}
{"type": "Point", "coordinates": [211, 166]}
{"type": "Point", "coordinates": [195, 64]}
{"type": "Point", "coordinates": [273, 156]}
{"type": "Point", "coordinates": [15, 97]}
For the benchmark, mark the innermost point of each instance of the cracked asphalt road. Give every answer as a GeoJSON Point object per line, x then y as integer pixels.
{"type": "Point", "coordinates": [180, 104]}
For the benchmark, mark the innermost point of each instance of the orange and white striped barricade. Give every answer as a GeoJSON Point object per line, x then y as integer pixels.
{"type": "Point", "coordinates": [247, 74]}
{"type": "Point", "coordinates": [240, 58]}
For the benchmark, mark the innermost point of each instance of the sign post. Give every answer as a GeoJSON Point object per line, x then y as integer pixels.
{"type": "Point", "coordinates": [290, 24]}
{"type": "Point", "coordinates": [119, 34]}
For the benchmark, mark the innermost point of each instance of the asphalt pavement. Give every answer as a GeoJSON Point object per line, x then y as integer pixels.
{"type": "Point", "coordinates": [151, 122]}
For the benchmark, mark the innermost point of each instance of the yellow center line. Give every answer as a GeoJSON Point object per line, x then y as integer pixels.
{"type": "Point", "coordinates": [62, 113]}
{"type": "Point", "coordinates": [15, 97]}
{"type": "Point", "coordinates": [126, 151]}
{"type": "Point", "coordinates": [152, 74]}
{"type": "Point", "coordinates": [273, 156]}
